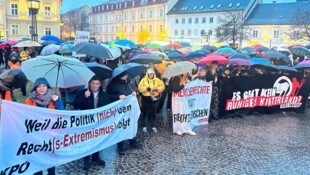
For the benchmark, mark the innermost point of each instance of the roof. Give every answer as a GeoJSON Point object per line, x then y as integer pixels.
{"type": "Point", "coordinates": [204, 6]}
{"type": "Point", "coordinates": [76, 9]}
{"type": "Point", "coordinates": [275, 13]}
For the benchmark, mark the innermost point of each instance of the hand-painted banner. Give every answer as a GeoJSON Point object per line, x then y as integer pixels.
{"type": "Point", "coordinates": [191, 106]}
{"type": "Point", "coordinates": [34, 139]}
{"type": "Point", "coordinates": [262, 93]}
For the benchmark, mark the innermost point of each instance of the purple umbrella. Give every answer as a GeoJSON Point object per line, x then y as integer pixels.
{"type": "Point", "coordinates": [241, 62]}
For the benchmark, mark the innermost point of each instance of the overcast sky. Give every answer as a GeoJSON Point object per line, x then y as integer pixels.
{"type": "Point", "coordinates": [71, 4]}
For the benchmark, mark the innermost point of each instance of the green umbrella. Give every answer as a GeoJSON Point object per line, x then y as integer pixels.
{"type": "Point", "coordinates": [153, 45]}
{"type": "Point", "coordinates": [66, 48]}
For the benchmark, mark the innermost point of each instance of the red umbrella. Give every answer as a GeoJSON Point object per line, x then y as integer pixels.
{"type": "Point", "coordinates": [256, 46]}
{"type": "Point", "coordinates": [213, 57]}
{"type": "Point", "coordinates": [150, 50]}
{"type": "Point", "coordinates": [175, 45]}
{"type": "Point", "coordinates": [7, 42]}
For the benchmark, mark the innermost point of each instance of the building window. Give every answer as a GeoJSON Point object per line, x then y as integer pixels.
{"type": "Point", "coordinates": [151, 28]}
{"type": "Point", "coordinates": [189, 20]}
{"type": "Point", "coordinates": [160, 28]}
{"type": "Point", "coordinates": [211, 20]}
{"type": "Point", "coordinates": [125, 29]}
{"type": "Point", "coordinates": [141, 15]}
{"type": "Point", "coordinates": [125, 16]}
{"type": "Point", "coordinates": [195, 32]}
{"type": "Point", "coordinates": [182, 32]}
{"type": "Point", "coordinates": [106, 29]}
{"type": "Point", "coordinates": [112, 29]}
{"type": "Point", "coordinates": [276, 34]}
{"type": "Point", "coordinates": [150, 14]}
{"type": "Point", "coordinates": [133, 15]}
{"type": "Point", "coordinates": [47, 11]}
{"type": "Point", "coordinates": [210, 32]}
{"type": "Point", "coordinates": [161, 13]}
{"type": "Point", "coordinates": [14, 9]}
{"type": "Point", "coordinates": [183, 20]}
{"type": "Point", "coordinates": [176, 21]}
{"type": "Point", "coordinates": [176, 32]}
{"type": "Point", "coordinates": [116, 17]}
{"type": "Point", "coordinates": [132, 28]}
{"type": "Point", "coordinates": [203, 20]}
{"type": "Point", "coordinates": [255, 33]}
{"type": "Point", "coordinates": [189, 32]}
{"type": "Point", "coordinates": [196, 20]}
{"type": "Point", "coordinates": [14, 29]}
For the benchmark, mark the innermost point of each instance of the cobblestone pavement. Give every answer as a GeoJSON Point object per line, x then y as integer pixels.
{"type": "Point", "coordinates": [264, 144]}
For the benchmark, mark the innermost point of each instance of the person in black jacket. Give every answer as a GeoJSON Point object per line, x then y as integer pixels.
{"type": "Point", "coordinates": [118, 89]}
{"type": "Point", "coordinates": [91, 98]}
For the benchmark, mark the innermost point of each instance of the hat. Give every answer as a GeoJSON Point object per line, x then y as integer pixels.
{"type": "Point", "coordinates": [40, 81]}
{"type": "Point", "coordinates": [150, 71]}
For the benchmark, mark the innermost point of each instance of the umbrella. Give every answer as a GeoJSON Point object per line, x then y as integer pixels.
{"type": "Point", "coordinates": [258, 60]}
{"type": "Point", "coordinates": [285, 51]}
{"type": "Point", "coordinates": [184, 50]}
{"type": "Point", "coordinates": [178, 68]}
{"type": "Point", "coordinates": [166, 49]}
{"type": "Point", "coordinates": [45, 43]}
{"type": "Point", "coordinates": [102, 71]}
{"type": "Point", "coordinates": [287, 68]}
{"type": "Point", "coordinates": [185, 44]}
{"type": "Point", "coordinates": [161, 54]}
{"type": "Point", "coordinates": [27, 43]}
{"type": "Point", "coordinates": [66, 48]}
{"type": "Point", "coordinates": [211, 48]}
{"type": "Point", "coordinates": [132, 69]}
{"type": "Point", "coordinates": [213, 57]}
{"type": "Point", "coordinates": [225, 46]}
{"type": "Point", "coordinates": [205, 51]}
{"type": "Point", "coordinates": [175, 54]}
{"type": "Point", "coordinates": [226, 51]}
{"type": "Point", "coordinates": [248, 50]}
{"type": "Point", "coordinates": [49, 49]}
{"type": "Point", "coordinates": [10, 42]}
{"type": "Point", "coordinates": [195, 54]}
{"type": "Point", "coordinates": [116, 52]}
{"type": "Point", "coordinates": [125, 42]}
{"type": "Point", "coordinates": [133, 53]}
{"type": "Point", "coordinates": [241, 62]}
{"type": "Point", "coordinates": [51, 38]}
{"type": "Point", "coordinates": [266, 66]}
{"type": "Point", "coordinates": [256, 46]}
{"type": "Point", "coordinates": [93, 49]}
{"type": "Point", "coordinates": [153, 45]}
{"type": "Point", "coordinates": [262, 49]}
{"type": "Point", "coordinates": [150, 50]}
{"type": "Point", "coordinates": [145, 58]}
{"type": "Point", "coordinates": [307, 46]}
{"type": "Point", "coordinates": [63, 72]}
{"type": "Point", "coordinates": [272, 54]}
{"type": "Point", "coordinates": [303, 64]}
{"type": "Point", "coordinates": [239, 55]}
{"type": "Point", "coordinates": [13, 78]}
{"type": "Point", "coordinates": [299, 50]}
{"type": "Point", "coordinates": [175, 45]}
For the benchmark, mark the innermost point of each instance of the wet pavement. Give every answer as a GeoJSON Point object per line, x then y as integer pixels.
{"type": "Point", "coordinates": [258, 144]}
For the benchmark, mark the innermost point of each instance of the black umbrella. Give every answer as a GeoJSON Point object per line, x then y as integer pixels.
{"type": "Point", "coordinates": [93, 49]}
{"type": "Point", "coordinates": [248, 50]}
{"type": "Point", "coordinates": [102, 71]}
{"type": "Point", "coordinates": [307, 46]}
{"type": "Point", "coordinates": [299, 50]}
{"type": "Point", "coordinates": [12, 78]}
{"type": "Point", "coordinates": [262, 49]}
{"type": "Point", "coordinates": [272, 54]}
{"type": "Point", "coordinates": [132, 69]}
{"type": "Point", "coordinates": [211, 48]}
{"type": "Point", "coordinates": [287, 68]}
{"type": "Point", "coordinates": [239, 55]}
{"type": "Point", "coordinates": [45, 43]}
{"type": "Point", "coordinates": [145, 59]}
{"type": "Point", "coordinates": [269, 67]}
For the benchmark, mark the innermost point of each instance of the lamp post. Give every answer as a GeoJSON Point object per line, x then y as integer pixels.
{"type": "Point", "coordinates": [34, 6]}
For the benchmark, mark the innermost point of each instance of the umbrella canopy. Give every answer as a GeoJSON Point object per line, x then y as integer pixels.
{"type": "Point", "coordinates": [262, 49]}
{"type": "Point", "coordinates": [93, 49]}
{"type": "Point", "coordinates": [116, 52]}
{"type": "Point", "coordinates": [175, 45]}
{"type": "Point", "coordinates": [7, 42]}
{"type": "Point", "coordinates": [132, 69]}
{"type": "Point", "coordinates": [145, 58]}
{"type": "Point", "coordinates": [45, 43]}
{"type": "Point", "coordinates": [205, 51]}
{"type": "Point", "coordinates": [175, 54]}
{"type": "Point", "coordinates": [302, 65]}
{"type": "Point", "coordinates": [49, 49]}
{"type": "Point", "coordinates": [213, 57]}
{"type": "Point", "coordinates": [248, 50]}
{"type": "Point", "coordinates": [161, 55]}
{"type": "Point", "coordinates": [285, 51]}
{"type": "Point", "coordinates": [287, 68]}
{"type": "Point", "coordinates": [184, 50]}
{"type": "Point", "coordinates": [272, 54]}
{"type": "Point", "coordinates": [153, 45]}
{"type": "Point", "coordinates": [63, 72]}
{"type": "Point", "coordinates": [300, 50]}
{"type": "Point", "coordinates": [258, 60]}
{"type": "Point", "coordinates": [256, 46]}
{"type": "Point", "coordinates": [195, 54]}
{"type": "Point", "coordinates": [226, 51]}
{"type": "Point", "coordinates": [149, 50]}
{"type": "Point", "coordinates": [51, 38]}
{"type": "Point", "coordinates": [66, 48]}
{"type": "Point", "coordinates": [241, 62]}
{"type": "Point", "coordinates": [102, 71]}
{"type": "Point", "coordinates": [270, 67]}
{"type": "Point", "coordinates": [211, 48]}
{"type": "Point", "coordinates": [239, 55]}
{"type": "Point", "coordinates": [27, 43]}
{"type": "Point", "coordinates": [307, 46]}
{"type": "Point", "coordinates": [226, 46]}
{"type": "Point", "coordinates": [178, 68]}
{"type": "Point", "coordinates": [12, 78]}
{"type": "Point", "coordinates": [185, 44]}
{"type": "Point", "coordinates": [125, 42]}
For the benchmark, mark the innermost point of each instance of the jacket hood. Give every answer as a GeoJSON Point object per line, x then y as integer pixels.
{"type": "Point", "coordinates": [150, 71]}
{"type": "Point", "coordinates": [14, 54]}
{"type": "Point", "coordinates": [40, 81]}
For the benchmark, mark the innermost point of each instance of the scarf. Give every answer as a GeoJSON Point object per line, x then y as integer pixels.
{"type": "Point", "coordinates": [42, 100]}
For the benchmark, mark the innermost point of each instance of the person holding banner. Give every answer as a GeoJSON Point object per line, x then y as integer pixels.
{"type": "Point", "coordinates": [91, 98]}
{"type": "Point", "coordinates": [43, 96]}
{"type": "Point", "coordinates": [213, 75]}
{"type": "Point", "coordinates": [150, 87]}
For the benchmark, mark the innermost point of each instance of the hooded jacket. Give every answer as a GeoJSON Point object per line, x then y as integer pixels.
{"type": "Point", "coordinates": [14, 63]}
{"type": "Point", "coordinates": [147, 85]}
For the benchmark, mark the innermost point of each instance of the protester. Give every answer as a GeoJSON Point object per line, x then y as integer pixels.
{"type": "Point", "coordinates": [43, 96]}
{"type": "Point", "coordinates": [201, 74]}
{"type": "Point", "coordinates": [118, 89]}
{"type": "Point", "coordinates": [6, 54]}
{"type": "Point", "coordinates": [212, 75]}
{"type": "Point", "coordinates": [150, 87]}
{"type": "Point", "coordinates": [13, 61]}
{"type": "Point", "coordinates": [91, 98]}
{"type": "Point", "coordinates": [24, 55]}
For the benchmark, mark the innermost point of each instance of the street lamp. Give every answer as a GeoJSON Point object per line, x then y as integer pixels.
{"type": "Point", "coordinates": [34, 6]}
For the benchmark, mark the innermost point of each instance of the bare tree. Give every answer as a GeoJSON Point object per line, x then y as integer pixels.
{"type": "Point", "coordinates": [232, 28]}
{"type": "Point", "coordinates": [300, 24]}
{"type": "Point", "coordinates": [73, 21]}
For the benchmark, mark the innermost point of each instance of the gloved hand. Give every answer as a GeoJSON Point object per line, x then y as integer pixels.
{"type": "Point", "coordinates": [148, 89]}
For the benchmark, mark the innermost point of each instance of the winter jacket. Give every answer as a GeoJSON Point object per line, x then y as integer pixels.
{"type": "Point", "coordinates": [175, 84]}
{"type": "Point", "coordinates": [81, 102]}
{"type": "Point", "coordinates": [147, 85]}
{"type": "Point", "coordinates": [52, 105]}
{"type": "Point", "coordinates": [118, 87]}
{"type": "Point", "coordinates": [24, 55]}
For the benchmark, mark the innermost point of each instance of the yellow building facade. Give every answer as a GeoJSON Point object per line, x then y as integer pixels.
{"type": "Point", "coordinates": [17, 21]}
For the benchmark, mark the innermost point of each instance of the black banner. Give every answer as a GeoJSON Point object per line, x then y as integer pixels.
{"type": "Point", "coordinates": [263, 94]}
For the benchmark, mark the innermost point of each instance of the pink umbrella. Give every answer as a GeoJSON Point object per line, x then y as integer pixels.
{"type": "Point", "coordinates": [213, 57]}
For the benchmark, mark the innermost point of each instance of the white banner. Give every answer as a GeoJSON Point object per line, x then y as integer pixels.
{"type": "Point", "coordinates": [34, 139]}
{"type": "Point", "coordinates": [80, 37]}
{"type": "Point", "coordinates": [191, 106]}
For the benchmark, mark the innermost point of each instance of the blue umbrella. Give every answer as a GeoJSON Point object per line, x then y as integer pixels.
{"type": "Point", "coordinates": [211, 48]}
{"type": "Point", "coordinates": [175, 54]}
{"type": "Point", "coordinates": [195, 54]}
{"type": "Point", "coordinates": [248, 50]}
{"type": "Point", "coordinates": [239, 55]}
{"type": "Point", "coordinates": [49, 49]}
{"type": "Point", "coordinates": [51, 38]}
{"type": "Point", "coordinates": [45, 43]}
{"type": "Point", "coordinates": [125, 42]}
{"type": "Point", "coordinates": [102, 71]}
{"type": "Point", "coordinates": [287, 68]}
{"type": "Point", "coordinates": [132, 69]}
{"type": "Point", "coordinates": [66, 48]}
{"type": "Point", "coordinates": [258, 60]}
{"type": "Point", "coordinates": [93, 49]}
{"type": "Point", "coordinates": [146, 58]}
